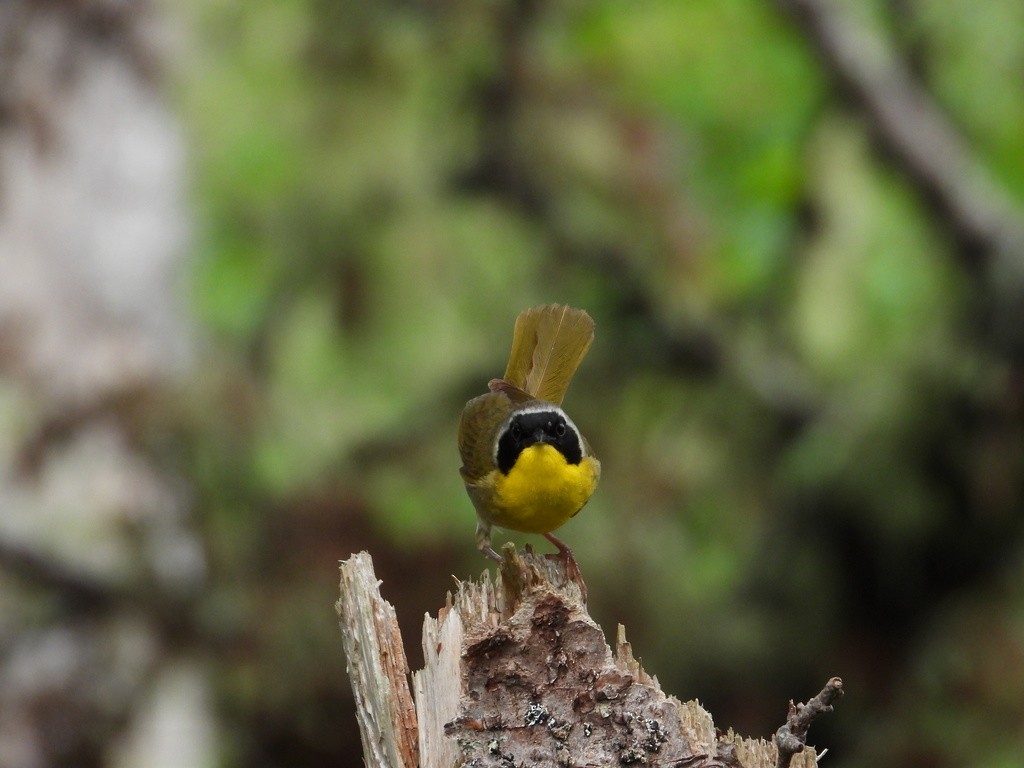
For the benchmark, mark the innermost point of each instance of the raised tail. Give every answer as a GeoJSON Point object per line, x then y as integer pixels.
{"type": "Point", "coordinates": [547, 346]}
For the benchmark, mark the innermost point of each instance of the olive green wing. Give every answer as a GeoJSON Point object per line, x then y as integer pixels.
{"type": "Point", "coordinates": [478, 427]}
{"type": "Point", "coordinates": [547, 346]}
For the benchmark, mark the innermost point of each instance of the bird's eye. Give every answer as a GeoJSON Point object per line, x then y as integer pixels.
{"type": "Point", "coordinates": [560, 429]}
{"type": "Point", "coordinates": [517, 431]}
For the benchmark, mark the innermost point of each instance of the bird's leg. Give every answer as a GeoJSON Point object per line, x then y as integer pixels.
{"type": "Point", "coordinates": [563, 550]}
{"type": "Point", "coordinates": [483, 541]}
{"type": "Point", "coordinates": [572, 568]}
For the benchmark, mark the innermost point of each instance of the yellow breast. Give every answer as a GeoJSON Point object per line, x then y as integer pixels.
{"type": "Point", "coordinates": [542, 491]}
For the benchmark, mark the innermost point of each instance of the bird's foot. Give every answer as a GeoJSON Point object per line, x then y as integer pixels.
{"type": "Point", "coordinates": [572, 568]}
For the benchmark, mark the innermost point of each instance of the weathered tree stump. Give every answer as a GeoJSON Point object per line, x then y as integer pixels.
{"type": "Point", "coordinates": [517, 673]}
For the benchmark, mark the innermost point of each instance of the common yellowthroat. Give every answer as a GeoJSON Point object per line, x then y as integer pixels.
{"type": "Point", "coordinates": [525, 464]}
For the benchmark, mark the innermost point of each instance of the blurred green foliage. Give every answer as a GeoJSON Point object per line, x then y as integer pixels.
{"type": "Point", "coordinates": [812, 455]}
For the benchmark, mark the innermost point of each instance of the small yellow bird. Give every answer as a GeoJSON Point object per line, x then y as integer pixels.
{"type": "Point", "coordinates": [524, 462]}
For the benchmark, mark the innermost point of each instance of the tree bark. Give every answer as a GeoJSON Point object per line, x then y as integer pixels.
{"type": "Point", "coordinates": [518, 673]}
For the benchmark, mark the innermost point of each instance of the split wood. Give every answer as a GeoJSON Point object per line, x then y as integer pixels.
{"type": "Point", "coordinates": [517, 673]}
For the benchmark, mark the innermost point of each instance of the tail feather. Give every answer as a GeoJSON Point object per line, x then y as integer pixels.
{"type": "Point", "coordinates": [547, 346]}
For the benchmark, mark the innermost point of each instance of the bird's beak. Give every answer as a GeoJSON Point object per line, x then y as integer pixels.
{"type": "Point", "coordinates": [539, 436]}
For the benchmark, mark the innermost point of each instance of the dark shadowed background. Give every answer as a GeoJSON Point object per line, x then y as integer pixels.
{"type": "Point", "coordinates": [255, 257]}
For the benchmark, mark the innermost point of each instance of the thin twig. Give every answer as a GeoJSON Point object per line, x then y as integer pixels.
{"type": "Point", "coordinates": [791, 738]}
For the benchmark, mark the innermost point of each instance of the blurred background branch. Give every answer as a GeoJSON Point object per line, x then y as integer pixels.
{"type": "Point", "coordinates": [912, 130]}
{"type": "Point", "coordinates": [915, 133]}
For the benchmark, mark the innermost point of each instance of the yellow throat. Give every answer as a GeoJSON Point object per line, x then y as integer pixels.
{"type": "Point", "coordinates": [542, 491]}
